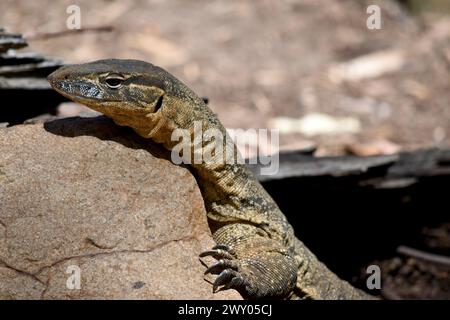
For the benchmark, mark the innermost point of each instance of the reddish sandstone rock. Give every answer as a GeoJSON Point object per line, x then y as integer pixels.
{"type": "Point", "coordinates": [84, 193]}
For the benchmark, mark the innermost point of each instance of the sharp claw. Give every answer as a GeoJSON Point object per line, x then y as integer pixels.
{"type": "Point", "coordinates": [208, 253]}
{"type": "Point", "coordinates": [229, 278]}
{"type": "Point", "coordinates": [212, 267]}
{"type": "Point", "coordinates": [221, 264]}
{"type": "Point", "coordinates": [223, 277]}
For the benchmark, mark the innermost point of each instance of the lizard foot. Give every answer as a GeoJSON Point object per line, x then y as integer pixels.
{"type": "Point", "coordinates": [227, 267]}
{"type": "Point", "coordinates": [255, 274]}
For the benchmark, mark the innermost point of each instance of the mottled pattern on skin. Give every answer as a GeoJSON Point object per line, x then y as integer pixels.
{"type": "Point", "coordinates": [257, 250]}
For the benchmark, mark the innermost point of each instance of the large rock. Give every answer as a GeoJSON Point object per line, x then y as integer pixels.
{"type": "Point", "coordinates": [82, 194]}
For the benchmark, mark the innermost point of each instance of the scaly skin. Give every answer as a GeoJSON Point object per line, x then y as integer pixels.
{"type": "Point", "coordinates": [257, 250]}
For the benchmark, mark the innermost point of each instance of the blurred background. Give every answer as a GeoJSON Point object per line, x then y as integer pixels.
{"type": "Point", "coordinates": [311, 68]}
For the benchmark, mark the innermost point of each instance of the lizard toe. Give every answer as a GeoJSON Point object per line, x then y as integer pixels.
{"type": "Point", "coordinates": [219, 251]}
{"type": "Point", "coordinates": [228, 278]}
{"type": "Point", "coordinates": [217, 254]}
{"type": "Point", "coordinates": [221, 265]}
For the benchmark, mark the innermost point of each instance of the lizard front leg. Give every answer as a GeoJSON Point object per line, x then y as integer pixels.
{"type": "Point", "coordinates": [251, 262]}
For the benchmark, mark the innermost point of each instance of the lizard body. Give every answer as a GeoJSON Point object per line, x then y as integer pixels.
{"type": "Point", "coordinates": [257, 251]}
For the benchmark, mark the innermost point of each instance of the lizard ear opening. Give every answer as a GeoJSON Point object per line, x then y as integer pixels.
{"type": "Point", "coordinates": [159, 103]}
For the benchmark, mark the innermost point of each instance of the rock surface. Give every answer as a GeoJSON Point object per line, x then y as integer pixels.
{"type": "Point", "coordinates": [83, 196]}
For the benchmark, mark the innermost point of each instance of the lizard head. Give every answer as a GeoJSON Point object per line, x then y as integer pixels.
{"type": "Point", "coordinates": [117, 87]}
{"type": "Point", "coordinates": [134, 93]}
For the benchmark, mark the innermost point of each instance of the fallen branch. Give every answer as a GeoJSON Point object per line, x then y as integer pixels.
{"type": "Point", "coordinates": [68, 32]}
{"type": "Point", "coordinates": [431, 257]}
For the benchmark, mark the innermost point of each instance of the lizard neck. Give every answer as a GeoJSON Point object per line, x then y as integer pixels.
{"type": "Point", "coordinates": [230, 191]}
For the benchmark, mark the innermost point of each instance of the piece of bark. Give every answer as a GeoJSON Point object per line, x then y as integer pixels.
{"type": "Point", "coordinates": [11, 41]}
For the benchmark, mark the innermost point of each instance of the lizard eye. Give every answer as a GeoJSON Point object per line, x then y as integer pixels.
{"type": "Point", "coordinates": [114, 81]}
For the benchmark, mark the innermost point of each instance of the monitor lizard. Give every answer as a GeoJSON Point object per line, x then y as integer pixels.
{"type": "Point", "coordinates": [256, 250]}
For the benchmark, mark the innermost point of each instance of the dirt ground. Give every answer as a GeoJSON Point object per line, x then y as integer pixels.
{"type": "Point", "coordinates": [258, 61]}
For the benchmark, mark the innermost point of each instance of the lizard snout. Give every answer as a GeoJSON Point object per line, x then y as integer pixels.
{"type": "Point", "coordinates": [62, 73]}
